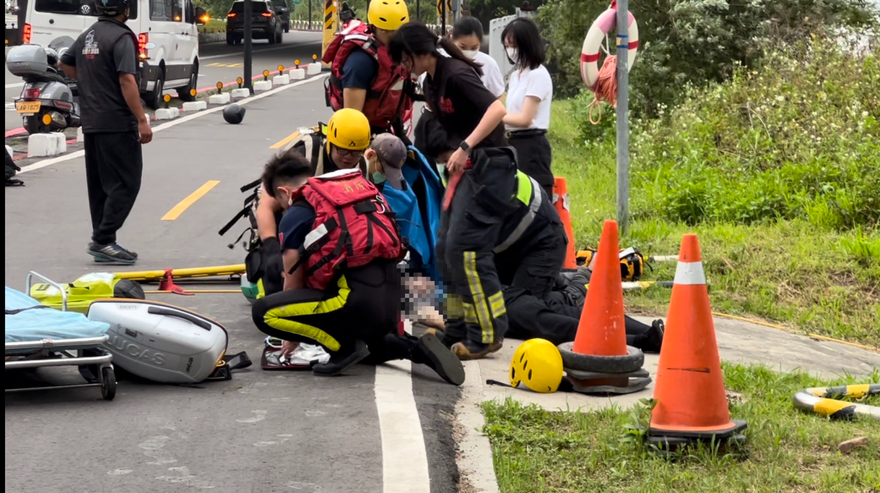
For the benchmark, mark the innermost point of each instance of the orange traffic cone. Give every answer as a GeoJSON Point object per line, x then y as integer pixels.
{"type": "Point", "coordinates": [560, 201]}
{"type": "Point", "coordinates": [599, 361]}
{"type": "Point", "coordinates": [691, 401]}
{"type": "Point", "coordinates": [602, 330]}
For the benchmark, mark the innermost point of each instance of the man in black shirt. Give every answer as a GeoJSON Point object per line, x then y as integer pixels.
{"type": "Point", "coordinates": [103, 60]}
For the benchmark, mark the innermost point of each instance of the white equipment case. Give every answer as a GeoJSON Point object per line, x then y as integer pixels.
{"type": "Point", "coordinates": [161, 342]}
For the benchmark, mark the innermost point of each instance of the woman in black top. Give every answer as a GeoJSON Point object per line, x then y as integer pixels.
{"type": "Point", "coordinates": [468, 112]}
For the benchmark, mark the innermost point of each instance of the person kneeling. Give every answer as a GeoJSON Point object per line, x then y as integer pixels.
{"type": "Point", "coordinates": [342, 289]}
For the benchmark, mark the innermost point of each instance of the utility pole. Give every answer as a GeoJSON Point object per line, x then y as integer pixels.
{"type": "Point", "coordinates": [248, 46]}
{"type": "Point", "coordinates": [310, 15]}
{"type": "Point", "coordinates": [623, 116]}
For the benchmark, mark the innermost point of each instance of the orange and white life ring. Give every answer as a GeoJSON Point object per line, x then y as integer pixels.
{"type": "Point", "coordinates": [590, 52]}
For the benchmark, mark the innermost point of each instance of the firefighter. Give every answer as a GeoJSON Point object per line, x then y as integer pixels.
{"type": "Point", "coordinates": [363, 76]}
{"type": "Point", "coordinates": [347, 138]}
{"type": "Point", "coordinates": [341, 280]}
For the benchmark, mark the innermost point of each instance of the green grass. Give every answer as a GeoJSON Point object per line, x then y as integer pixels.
{"type": "Point", "coordinates": [788, 271]}
{"type": "Point", "coordinates": [788, 450]}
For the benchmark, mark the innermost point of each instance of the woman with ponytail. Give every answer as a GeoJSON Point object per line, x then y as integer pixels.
{"type": "Point", "coordinates": [470, 114]}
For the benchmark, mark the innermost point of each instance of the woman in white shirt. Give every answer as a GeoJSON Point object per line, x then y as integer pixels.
{"type": "Point", "coordinates": [529, 95]}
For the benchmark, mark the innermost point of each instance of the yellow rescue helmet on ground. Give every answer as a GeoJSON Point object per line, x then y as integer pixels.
{"type": "Point", "coordinates": [538, 364]}
{"type": "Point", "coordinates": [388, 15]}
{"type": "Point", "coordinates": [349, 129]}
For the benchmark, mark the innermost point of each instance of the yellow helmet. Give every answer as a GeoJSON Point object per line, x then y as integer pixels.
{"type": "Point", "coordinates": [388, 15]}
{"type": "Point", "coordinates": [538, 364]}
{"type": "Point", "coordinates": [349, 129]}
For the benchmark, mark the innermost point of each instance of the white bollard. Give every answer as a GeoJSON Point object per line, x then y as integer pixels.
{"type": "Point", "coordinates": [222, 98]}
{"type": "Point", "coordinates": [262, 86]}
{"type": "Point", "coordinates": [167, 113]}
{"type": "Point", "coordinates": [79, 134]}
{"type": "Point", "coordinates": [280, 80]}
{"type": "Point", "coordinates": [40, 145]}
{"type": "Point", "coordinates": [240, 93]}
{"type": "Point", "coordinates": [297, 73]}
{"type": "Point", "coordinates": [194, 106]}
{"type": "Point", "coordinates": [61, 142]}
{"type": "Point", "coordinates": [314, 68]}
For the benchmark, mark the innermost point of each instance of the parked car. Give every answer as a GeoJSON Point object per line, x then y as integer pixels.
{"type": "Point", "coordinates": [265, 22]}
{"type": "Point", "coordinates": [168, 40]}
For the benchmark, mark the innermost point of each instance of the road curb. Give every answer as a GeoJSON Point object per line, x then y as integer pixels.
{"type": "Point", "coordinates": [475, 461]}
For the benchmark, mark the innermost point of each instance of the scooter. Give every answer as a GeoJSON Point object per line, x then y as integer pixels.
{"type": "Point", "coordinates": [48, 98]}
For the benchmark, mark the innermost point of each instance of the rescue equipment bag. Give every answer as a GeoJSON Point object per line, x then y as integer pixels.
{"type": "Point", "coordinates": [165, 343]}
{"type": "Point", "coordinates": [353, 226]}
{"type": "Point", "coordinates": [632, 262]}
{"type": "Point", "coordinates": [82, 292]}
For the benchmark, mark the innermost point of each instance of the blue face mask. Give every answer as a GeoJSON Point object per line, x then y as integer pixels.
{"type": "Point", "coordinates": [378, 177]}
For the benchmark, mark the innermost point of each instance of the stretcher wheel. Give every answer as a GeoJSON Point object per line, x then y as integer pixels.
{"type": "Point", "coordinates": [108, 383]}
{"type": "Point", "coordinates": [631, 361]}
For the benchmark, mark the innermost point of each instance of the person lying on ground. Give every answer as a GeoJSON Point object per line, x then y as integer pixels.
{"type": "Point", "coordinates": [351, 311]}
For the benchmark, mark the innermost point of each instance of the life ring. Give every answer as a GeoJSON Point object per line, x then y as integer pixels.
{"type": "Point", "coordinates": [590, 52]}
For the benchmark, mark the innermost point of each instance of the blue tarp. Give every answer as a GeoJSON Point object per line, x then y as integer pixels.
{"type": "Point", "coordinates": [45, 323]}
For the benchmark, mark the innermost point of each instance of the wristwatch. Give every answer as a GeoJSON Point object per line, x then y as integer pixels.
{"type": "Point", "coordinates": [464, 146]}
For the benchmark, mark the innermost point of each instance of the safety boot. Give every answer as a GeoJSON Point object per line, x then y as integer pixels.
{"type": "Point", "coordinates": [347, 356]}
{"type": "Point", "coordinates": [430, 351]}
{"type": "Point", "coordinates": [468, 350]}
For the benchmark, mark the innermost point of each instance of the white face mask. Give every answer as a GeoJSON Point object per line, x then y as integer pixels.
{"type": "Point", "coordinates": [512, 53]}
{"type": "Point", "coordinates": [470, 53]}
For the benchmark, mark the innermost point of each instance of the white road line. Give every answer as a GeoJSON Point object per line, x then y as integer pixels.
{"type": "Point", "coordinates": [172, 123]}
{"type": "Point", "coordinates": [14, 85]}
{"type": "Point", "coordinates": [404, 458]}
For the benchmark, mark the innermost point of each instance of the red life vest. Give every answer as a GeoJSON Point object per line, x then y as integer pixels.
{"type": "Point", "coordinates": [385, 99]}
{"type": "Point", "coordinates": [353, 226]}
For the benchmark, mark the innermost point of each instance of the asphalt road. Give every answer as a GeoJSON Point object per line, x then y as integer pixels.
{"type": "Point", "coordinates": [261, 431]}
{"type": "Point", "coordinates": [219, 63]}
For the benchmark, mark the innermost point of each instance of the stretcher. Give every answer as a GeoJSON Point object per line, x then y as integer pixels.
{"type": "Point", "coordinates": [38, 336]}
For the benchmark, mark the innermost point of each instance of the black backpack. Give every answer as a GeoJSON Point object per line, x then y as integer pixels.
{"type": "Point", "coordinates": [11, 170]}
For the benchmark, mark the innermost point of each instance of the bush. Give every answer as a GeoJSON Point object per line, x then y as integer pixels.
{"type": "Point", "coordinates": [797, 138]}
{"type": "Point", "coordinates": [691, 41]}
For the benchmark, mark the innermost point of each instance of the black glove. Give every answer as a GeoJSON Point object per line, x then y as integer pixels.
{"type": "Point", "coordinates": [273, 265]}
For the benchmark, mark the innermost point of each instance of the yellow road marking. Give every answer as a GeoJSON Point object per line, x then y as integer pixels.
{"type": "Point", "coordinates": [184, 204]}
{"type": "Point", "coordinates": [286, 140]}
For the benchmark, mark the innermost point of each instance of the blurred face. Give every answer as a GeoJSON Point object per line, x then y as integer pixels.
{"type": "Point", "coordinates": [469, 44]}
{"type": "Point", "coordinates": [345, 158]}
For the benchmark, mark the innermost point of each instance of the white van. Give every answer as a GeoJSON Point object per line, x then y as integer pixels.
{"type": "Point", "coordinates": [168, 40]}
